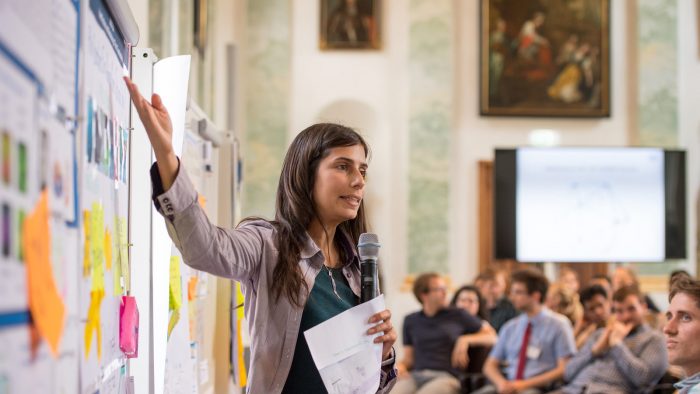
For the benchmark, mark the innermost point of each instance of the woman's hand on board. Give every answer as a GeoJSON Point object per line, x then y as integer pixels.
{"type": "Point", "coordinates": [159, 128]}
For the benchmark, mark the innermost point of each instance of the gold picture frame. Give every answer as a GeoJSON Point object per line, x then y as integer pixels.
{"type": "Point", "coordinates": [350, 24]}
{"type": "Point", "coordinates": [545, 58]}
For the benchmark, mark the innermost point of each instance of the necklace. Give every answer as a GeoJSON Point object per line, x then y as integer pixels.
{"type": "Point", "coordinates": [330, 274]}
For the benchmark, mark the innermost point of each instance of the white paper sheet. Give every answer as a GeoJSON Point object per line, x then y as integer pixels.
{"type": "Point", "coordinates": [170, 80]}
{"type": "Point", "coordinates": [344, 354]}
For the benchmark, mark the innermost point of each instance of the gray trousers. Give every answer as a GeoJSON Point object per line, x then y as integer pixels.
{"type": "Point", "coordinates": [491, 389]}
{"type": "Point", "coordinates": [427, 382]}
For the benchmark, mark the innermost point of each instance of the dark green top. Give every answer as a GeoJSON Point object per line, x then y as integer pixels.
{"type": "Point", "coordinates": [322, 305]}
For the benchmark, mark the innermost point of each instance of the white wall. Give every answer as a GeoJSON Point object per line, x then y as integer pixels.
{"type": "Point", "coordinates": [380, 79]}
{"type": "Point", "coordinates": [477, 136]}
{"type": "Point", "coordinates": [689, 116]}
{"type": "Point", "coordinates": [373, 83]}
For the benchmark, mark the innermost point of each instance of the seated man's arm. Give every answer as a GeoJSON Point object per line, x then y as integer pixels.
{"type": "Point", "coordinates": [543, 379]}
{"type": "Point", "coordinates": [582, 358]}
{"type": "Point", "coordinates": [644, 369]}
{"type": "Point", "coordinates": [486, 336]}
{"type": "Point", "coordinates": [493, 372]}
{"type": "Point", "coordinates": [406, 363]}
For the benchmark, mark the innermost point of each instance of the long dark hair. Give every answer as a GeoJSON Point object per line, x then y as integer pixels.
{"type": "Point", "coordinates": [295, 208]}
{"type": "Point", "coordinates": [483, 312]}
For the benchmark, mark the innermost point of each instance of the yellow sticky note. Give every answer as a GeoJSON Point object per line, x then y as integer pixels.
{"type": "Point", "coordinates": [108, 249]}
{"type": "Point", "coordinates": [117, 279]}
{"type": "Point", "coordinates": [45, 303]}
{"type": "Point", "coordinates": [93, 323]}
{"type": "Point", "coordinates": [202, 201]}
{"type": "Point", "coordinates": [174, 318]}
{"type": "Point", "coordinates": [175, 286]}
{"type": "Point", "coordinates": [240, 312]}
{"type": "Point", "coordinates": [86, 251]}
{"type": "Point", "coordinates": [123, 252]}
{"type": "Point", "coordinates": [97, 244]}
{"type": "Point", "coordinates": [243, 376]}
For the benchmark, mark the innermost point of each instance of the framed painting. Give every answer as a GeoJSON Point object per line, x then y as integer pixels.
{"type": "Point", "coordinates": [201, 26]}
{"type": "Point", "coordinates": [545, 58]}
{"type": "Point", "coordinates": [350, 24]}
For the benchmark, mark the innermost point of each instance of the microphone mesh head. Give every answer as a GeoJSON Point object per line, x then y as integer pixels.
{"type": "Point", "coordinates": [368, 246]}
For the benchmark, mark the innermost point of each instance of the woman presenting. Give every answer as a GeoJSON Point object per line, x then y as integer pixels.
{"type": "Point", "coordinates": [296, 271]}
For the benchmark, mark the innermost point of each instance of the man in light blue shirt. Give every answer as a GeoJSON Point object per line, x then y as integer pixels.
{"type": "Point", "coordinates": [534, 346]}
{"type": "Point", "coordinates": [682, 332]}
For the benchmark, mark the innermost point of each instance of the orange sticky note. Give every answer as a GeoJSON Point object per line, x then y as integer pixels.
{"type": "Point", "coordinates": [202, 201]}
{"type": "Point", "coordinates": [192, 288]}
{"type": "Point", "coordinates": [45, 303]}
{"type": "Point", "coordinates": [108, 249]}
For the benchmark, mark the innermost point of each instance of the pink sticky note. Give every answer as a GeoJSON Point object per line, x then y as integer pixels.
{"type": "Point", "coordinates": [129, 327]}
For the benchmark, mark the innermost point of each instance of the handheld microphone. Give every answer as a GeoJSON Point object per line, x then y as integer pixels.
{"type": "Point", "coordinates": [368, 248]}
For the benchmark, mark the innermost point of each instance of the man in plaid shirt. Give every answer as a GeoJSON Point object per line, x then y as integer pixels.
{"type": "Point", "coordinates": [626, 356]}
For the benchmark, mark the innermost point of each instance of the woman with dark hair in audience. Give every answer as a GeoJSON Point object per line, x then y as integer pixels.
{"type": "Point", "coordinates": [469, 298]}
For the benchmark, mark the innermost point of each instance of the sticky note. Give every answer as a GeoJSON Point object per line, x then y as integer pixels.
{"type": "Point", "coordinates": [45, 303]}
{"type": "Point", "coordinates": [129, 327]}
{"type": "Point", "coordinates": [97, 245]}
{"type": "Point", "coordinates": [175, 286]}
{"type": "Point", "coordinates": [86, 250]}
{"type": "Point", "coordinates": [174, 318]}
{"type": "Point", "coordinates": [93, 323]}
{"type": "Point", "coordinates": [123, 252]}
{"type": "Point", "coordinates": [192, 288]}
{"type": "Point", "coordinates": [202, 201]}
{"type": "Point", "coordinates": [240, 312]}
{"type": "Point", "coordinates": [108, 249]}
{"type": "Point", "coordinates": [117, 278]}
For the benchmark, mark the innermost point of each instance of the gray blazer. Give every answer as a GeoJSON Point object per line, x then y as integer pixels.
{"type": "Point", "coordinates": [248, 254]}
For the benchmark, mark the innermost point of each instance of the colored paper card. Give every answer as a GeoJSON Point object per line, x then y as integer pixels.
{"type": "Point", "coordinates": [192, 288]}
{"type": "Point", "coordinates": [175, 286]}
{"type": "Point", "coordinates": [174, 318]}
{"type": "Point", "coordinates": [45, 303]}
{"type": "Point", "coordinates": [123, 252]}
{"type": "Point", "coordinates": [240, 312]}
{"type": "Point", "coordinates": [97, 244]}
{"type": "Point", "coordinates": [117, 278]}
{"type": "Point", "coordinates": [86, 249]}
{"type": "Point", "coordinates": [93, 323]}
{"type": "Point", "coordinates": [129, 327]}
{"type": "Point", "coordinates": [108, 249]}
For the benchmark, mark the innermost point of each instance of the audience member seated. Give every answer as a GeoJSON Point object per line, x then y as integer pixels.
{"type": "Point", "coordinates": [469, 298]}
{"type": "Point", "coordinates": [624, 277]}
{"type": "Point", "coordinates": [682, 332]}
{"type": "Point", "coordinates": [562, 300]}
{"type": "Point", "coordinates": [493, 285]}
{"type": "Point", "coordinates": [596, 312]}
{"type": "Point", "coordinates": [534, 346]}
{"type": "Point", "coordinates": [436, 340]}
{"type": "Point", "coordinates": [569, 278]}
{"type": "Point", "coordinates": [627, 356]}
{"type": "Point", "coordinates": [677, 274]}
{"type": "Point", "coordinates": [604, 281]}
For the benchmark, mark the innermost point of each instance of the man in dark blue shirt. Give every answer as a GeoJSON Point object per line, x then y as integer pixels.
{"type": "Point", "coordinates": [436, 340]}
